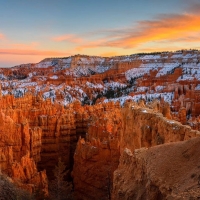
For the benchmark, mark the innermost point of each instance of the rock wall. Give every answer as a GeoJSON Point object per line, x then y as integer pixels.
{"type": "Point", "coordinates": [20, 148]}
{"type": "Point", "coordinates": [26, 176]}
{"type": "Point", "coordinates": [168, 171]}
{"type": "Point", "coordinates": [97, 156]}
{"type": "Point", "coordinates": [153, 163]}
{"type": "Point", "coordinates": [130, 129]}
{"type": "Point", "coordinates": [143, 127]}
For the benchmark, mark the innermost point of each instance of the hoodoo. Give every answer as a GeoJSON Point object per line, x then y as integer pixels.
{"type": "Point", "coordinates": [123, 127]}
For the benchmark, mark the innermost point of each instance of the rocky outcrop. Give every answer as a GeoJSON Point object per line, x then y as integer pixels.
{"type": "Point", "coordinates": [58, 140]}
{"type": "Point", "coordinates": [20, 148]}
{"type": "Point", "coordinates": [110, 134]}
{"type": "Point", "coordinates": [169, 171]}
{"type": "Point", "coordinates": [26, 176]}
{"type": "Point", "coordinates": [97, 156]}
{"type": "Point", "coordinates": [46, 108]}
{"type": "Point", "coordinates": [153, 163]}
{"type": "Point", "coordinates": [16, 140]}
{"type": "Point", "coordinates": [143, 127]}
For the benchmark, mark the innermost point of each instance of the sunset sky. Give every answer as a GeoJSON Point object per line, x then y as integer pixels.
{"type": "Point", "coordinates": [31, 30]}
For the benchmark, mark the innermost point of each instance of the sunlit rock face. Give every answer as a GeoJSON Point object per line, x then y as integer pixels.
{"type": "Point", "coordinates": [110, 120]}
{"type": "Point", "coordinates": [168, 171]}
{"type": "Point", "coordinates": [101, 165]}
{"type": "Point", "coordinates": [170, 76]}
{"type": "Point", "coordinates": [20, 151]}
{"type": "Point", "coordinates": [97, 156]}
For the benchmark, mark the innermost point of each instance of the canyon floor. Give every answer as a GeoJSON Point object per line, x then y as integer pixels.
{"type": "Point", "coordinates": [124, 127]}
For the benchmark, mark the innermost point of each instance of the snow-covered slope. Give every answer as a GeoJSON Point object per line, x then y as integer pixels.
{"type": "Point", "coordinates": [89, 81]}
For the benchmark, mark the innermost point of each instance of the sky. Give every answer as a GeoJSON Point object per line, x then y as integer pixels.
{"type": "Point", "coordinates": [33, 30]}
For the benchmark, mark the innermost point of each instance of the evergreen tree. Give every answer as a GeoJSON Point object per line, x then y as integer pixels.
{"type": "Point", "coordinates": [60, 189]}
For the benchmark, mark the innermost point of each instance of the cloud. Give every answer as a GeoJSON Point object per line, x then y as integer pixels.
{"type": "Point", "coordinates": [30, 46]}
{"type": "Point", "coordinates": [180, 28]}
{"type": "Point", "coordinates": [2, 36]}
{"type": "Point", "coordinates": [69, 38]}
{"type": "Point", "coordinates": [32, 52]}
{"type": "Point", "coordinates": [193, 6]}
{"type": "Point", "coordinates": [168, 27]}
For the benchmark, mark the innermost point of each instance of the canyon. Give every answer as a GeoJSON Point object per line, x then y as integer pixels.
{"type": "Point", "coordinates": [126, 127]}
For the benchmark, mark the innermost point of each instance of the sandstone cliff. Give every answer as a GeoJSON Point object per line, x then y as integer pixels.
{"type": "Point", "coordinates": [169, 171]}
{"type": "Point", "coordinates": [66, 107]}
{"type": "Point", "coordinates": [97, 156]}
{"type": "Point", "coordinates": [110, 134]}
{"type": "Point", "coordinates": [20, 148]}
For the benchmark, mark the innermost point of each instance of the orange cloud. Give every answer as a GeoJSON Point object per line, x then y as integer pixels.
{"type": "Point", "coordinates": [171, 28]}
{"type": "Point", "coordinates": [167, 28]}
{"type": "Point", "coordinates": [30, 46]}
{"type": "Point", "coordinates": [2, 36]}
{"type": "Point", "coordinates": [68, 37]}
{"type": "Point", "coordinates": [32, 52]}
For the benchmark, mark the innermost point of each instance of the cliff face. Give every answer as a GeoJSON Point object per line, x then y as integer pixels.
{"type": "Point", "coordinates": [26, 175]}
{"type": "Point", "coordinates": [16, 140]}
{"type": "Point", "coordinates": [174, 77]}
{"type": "Point", "coordinates": [42, 119]}
{"type": "Point", "coordinates": [110, 134]}
{"type": "Point", "coordinates": [163, 171]}
{"type": "Point", "coordinates": [97, 156]}
{"type": "Point", "coordinates": [58, 140]}
{"type": "Point", "coordinates": [169, 171]}
{"type": "Point", "coordinates": [20, 149]}
{"type": "Point", "coordinates": [143, 127]}
{"type": "Point", "coordinates": [36, 135]}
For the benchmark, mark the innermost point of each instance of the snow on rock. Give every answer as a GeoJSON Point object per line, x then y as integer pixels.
{"type": "Point", "coordinates": [91, 85]}
{"type": "Point", "coordinates": [4, 92]}
{"type": "Point", "coordinates": [30, 75]}
{"type": "Point", "coordinates": [2, 77]}
{"type": "Point", "coordinates": [177, 55]}
{"type": "Point", "coordinates": [143, 69]}
{"type": "Point", "coordinates": [197, 87]}
{"type": "Point", "coordinates": [159, 88]}
{"type": "Point", "coordinates": [184, 77]}
{"type": "Point", "coordinates": [43, 64]}
{"type": "Point", "coordinates": [142, 89]}
{"type": "Point", "coordinates": [51, 94]}
{"type": "Point", "coordinates": [54, 77]}
{"type": "Point", "coordinates": [167, 68]}
{"type": "Point", "coordinates": [102, 69]}
{"type": "Point", "coordinates": [167, 96]}
{"type": "Point", "coordinates": [115, 85]}
{"type": "Point", "coordinates": [19, 92]}
{"type": "Point", "coordinates": [150, 57]}
{"type": "Point", "coordinates": [29, 84]}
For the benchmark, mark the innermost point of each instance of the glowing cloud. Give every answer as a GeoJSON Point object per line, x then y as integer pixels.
{"type": "Point", "coordinates": [69, 38]}
{"type": "Point", "coordinates": [32, 52]}
{"type": "Point", "coordinates": [166, 28]}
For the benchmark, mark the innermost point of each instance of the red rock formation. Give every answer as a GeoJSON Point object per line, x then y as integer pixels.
{"type": "Point", "coordinates": [20, 149]}
{"type": "Point", "coordinates": [97, 156]}
{"type": "Point", "coordinates": [109, 133]}
{"type": "Point", "coordinates": [35, 132]}
{"type": "Point", "coordinates": [169, 171]}
{"type": "Point", "coordinates": [25, 174]}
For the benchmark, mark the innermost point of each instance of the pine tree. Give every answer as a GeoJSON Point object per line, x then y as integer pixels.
{"type": "Point", "coordinates": [60, 189]}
